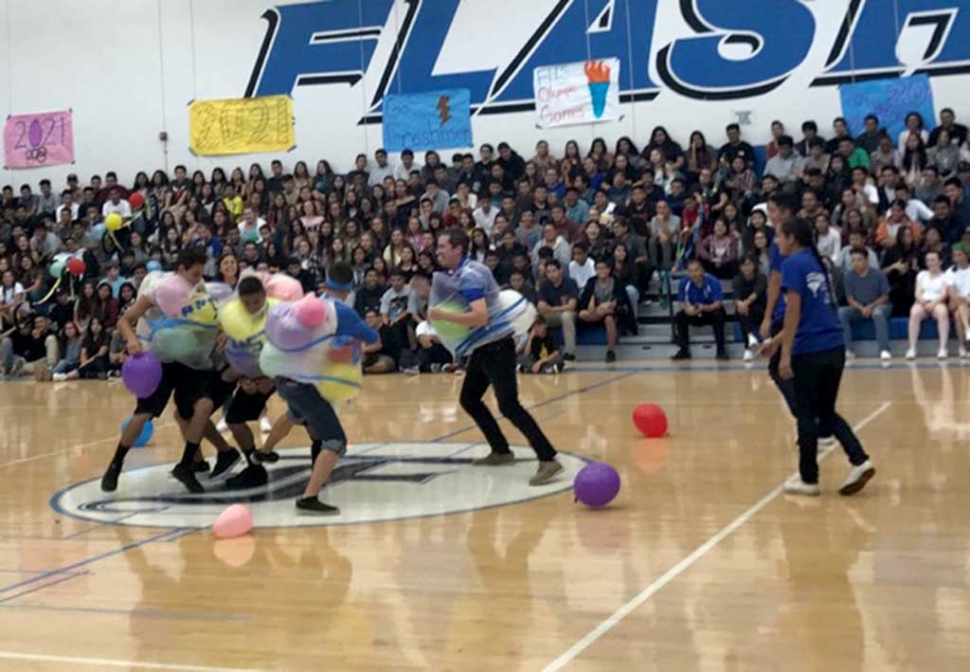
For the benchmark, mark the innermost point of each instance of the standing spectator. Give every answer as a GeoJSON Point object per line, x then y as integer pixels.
{"type": "Point", "coordinates": [558, 301]}
{"type": "Point", "coordinates": [750, 297]}
{"type": "Point", "coordinates": [930, 303]}
{"type": "Point", "coordinates": [867, 293]}
{"type": "Point", "coordinates": [958, 293]}
{"type": "Point", "coordinates": [700, 297]}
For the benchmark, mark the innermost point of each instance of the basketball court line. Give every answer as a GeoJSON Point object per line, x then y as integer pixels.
{"type": "Point", "coordinates": [109, 662]}
{"type": "Point", "coordinates": [46, 585]}
{"type": "Point", "coordinates": [614, 619]}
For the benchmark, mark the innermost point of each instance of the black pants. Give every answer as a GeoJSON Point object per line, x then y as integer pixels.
{"type": "Point", "coordinates": [436, 354]}
{"type": "Point", "coordinates": [816, 381]}
{"type": "Point", "coordinates": [494, 364]}
{"type": "Point", "coordinates": [751, 323]}
{"type": "Point", "coordinates": [786, 387]}
{"type": "Point", "coordinates": [683, 321]}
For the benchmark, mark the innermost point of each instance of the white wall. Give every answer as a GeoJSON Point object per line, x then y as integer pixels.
{"type": "Point", "coordinates": [129, 69]}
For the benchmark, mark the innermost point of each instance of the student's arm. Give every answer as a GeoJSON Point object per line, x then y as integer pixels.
{"type": "Point", "coordinates": [126, 325]}
{"type": "Point", "coordinates": [476, 316]}
{"type": "Point", "coordinates": [718, 296]}
{"type": "Point", "coordinates": [774, 291]}
{"type": "Point", "coordinates": [793, 314]}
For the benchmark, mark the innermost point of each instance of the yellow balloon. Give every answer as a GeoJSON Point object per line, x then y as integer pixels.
{"type": "Point", "coordinates": [238, 324]}
{"type": "Point", "coordinates": [350, 378]}
{"type": "Point", "coordinates": [113, 222]}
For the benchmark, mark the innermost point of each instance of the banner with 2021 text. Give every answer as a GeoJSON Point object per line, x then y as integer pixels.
{"type": "Point", "coordinates": [241, 125]}
{"type": "Point", "coordinates": [577, 93]}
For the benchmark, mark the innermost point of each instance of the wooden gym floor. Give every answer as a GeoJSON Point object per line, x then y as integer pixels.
{"type": "Point", "coordinates": [701, 564]}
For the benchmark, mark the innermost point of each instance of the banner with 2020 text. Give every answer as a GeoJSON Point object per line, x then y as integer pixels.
{"type": "Point", "coordinates": [577, 93]}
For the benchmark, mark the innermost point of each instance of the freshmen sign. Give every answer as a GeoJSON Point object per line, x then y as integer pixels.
{"type": "Point", "coordinates": [577, 93]}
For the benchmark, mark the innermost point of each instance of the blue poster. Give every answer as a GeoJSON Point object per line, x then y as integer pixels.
{"type": "Point", "coordinates": [890, 100]}
{"type": "Point", "coordinates": [432, 120]}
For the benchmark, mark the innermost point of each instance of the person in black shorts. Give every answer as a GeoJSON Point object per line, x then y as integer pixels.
{"type": "Point", "coordinates": [190, 387]}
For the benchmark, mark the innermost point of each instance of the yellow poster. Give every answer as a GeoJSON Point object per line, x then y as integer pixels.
{"type": "Point", "coordinates": [241, 125]}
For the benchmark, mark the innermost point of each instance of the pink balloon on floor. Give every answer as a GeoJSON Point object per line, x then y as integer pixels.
{"type": "Point", "coordinates": [235, 521]}
{"type": "Point", "coordinates": [310, 311]}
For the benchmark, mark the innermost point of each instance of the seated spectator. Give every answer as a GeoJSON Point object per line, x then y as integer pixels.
{"type": "Point", "coordinates": [394, 307]}
{"type": "Point", "coordinates": [857, 241]}
{"type": "Point", "coordinates": [867, 293]}
{"type": "Point", "coordinates": [433, 357]}
{"type": "Point", "coordinates": [94, 362]}
{"type": "Point", "coordinates": [958, 293]}
{"type": "Point", "coordinates": [700, 297]}
{"type": "Point", "coordinates": [11, 295]}
{"type": "Point", "coordinates": [664, 237]}
{"type": "Point", "coordinates": [901, 264]}
{"type": "Point", "coordinates": [787, 164]}
{"type": "Point", "coordinates": [558, 301]}
{"type": "Point", "coordinates": [828, 239]}
{"type": "Point", "coordinates": [520, 282]}
{"type": "Point", "coordinates": [541, 353]}
{"type": "Point", "coordinates": [888, 228]}
{"type": "Point", "coordinates": [719, 251]}
{"type": "Point", "coordinates": [581, 268]}
{"type": "Point", "coordinates": [554, 242]}
{"type": "Point", "coordinates": [933, 242]}
{"type": "Point", "coordinates": [605, 300]}
{"type": "Point", "coordinates": [750, 299]}
{"type": "Point", "coordinates": [762, 251]}
{"type": "Point", "coordinates": [70, 348]}
{"type": "Point", "coordinates": [32, 349]}
{"type": "Point", "coordinates": [884, 155]}
{"type": "Point", "coordinates": [380, 356]}
{"type": "Point", "coordinates": [930, 303]}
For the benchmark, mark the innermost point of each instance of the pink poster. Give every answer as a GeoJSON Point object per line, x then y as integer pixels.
{"type": "Point", "coordinates": [38, 140]}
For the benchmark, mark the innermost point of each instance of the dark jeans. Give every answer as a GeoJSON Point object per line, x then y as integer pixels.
{"type": "Point", "coordinates": [683, 321]}
{"type": "Point", "coordinates": [816, 381]}
{"type": "Point", "coordinates": [786, 387]}
{"type": "Point", "coordinates": [751, 323]}
{"type": "Point", "coordinates": [308, 408]}
{"type": "Point", "coordinates": [494, 364]}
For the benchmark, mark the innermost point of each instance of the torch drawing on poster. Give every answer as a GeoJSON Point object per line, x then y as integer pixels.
{"type": "Point", "coordinates": [577, 93]}
{"type": "Point", "coordinates": [38, 140]}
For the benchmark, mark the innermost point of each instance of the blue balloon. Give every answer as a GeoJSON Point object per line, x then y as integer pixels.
{"type": "Point", "coordinates": [146, 433]}
{"type": "Point", "coordinates": [153, 265]}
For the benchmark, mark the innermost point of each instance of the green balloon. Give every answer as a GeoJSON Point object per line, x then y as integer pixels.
{"type": "Point", "coordinates": [57, 269]}
{"type": "Point", "coordinates": [449, 331]}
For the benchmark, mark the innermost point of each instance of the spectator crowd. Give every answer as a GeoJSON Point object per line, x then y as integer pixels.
{"type": "Point", "coordinates": [584, 235]}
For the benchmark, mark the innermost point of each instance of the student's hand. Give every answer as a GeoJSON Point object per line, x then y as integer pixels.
{"type": "Point", "coordinates": [537, 367]}
{"type": "Point", "coordinates": [134, 346]}
{"type": "Point", "coordinates": [692, 311]}
{"type": "Point", "coordinates": [434, 314]}
{"type": "Point", "coordinates": [742, 307]}
{"type": "Point", "coordinates": [765, 330]}
{"type": "Point", "coordinates": [770, 347]}
{"type": "Point", "coordinates": [784, 368]}
{"type": "Point", "coordinates": [866, 312]}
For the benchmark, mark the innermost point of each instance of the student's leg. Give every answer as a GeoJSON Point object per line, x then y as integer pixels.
{"type": "Point", "coordinates": [833, 364]}
{"type": "Point", "coordinates": [916, 316]}
{"type": "Point", "coordinates": [682, 331]}
{"type": "Point", "coordinates": [6, 354]}
{"type": "Point", "coordinates": [880, 320]}
{"type": "Point", "coordinates": [634, 295]}
{"type": "Point", "coordinates": [963, 318]}
{"type": "Point", "coordinates": [611, 336]}
{"type": "Point", "coordinates": [942, 316]}
{"type": "Point", "coordinates": [847, 316]}
{"type": "Point", "coordinates": [499, 365]}
{"type": "Point", "coordinates": [569, 332]}
{"type": "Point", "coordinates": [281, 429]}
{"type": "Point", "coordinates": [786, 387]}
{"type": "Point", "coordinates": [807, 393]}
{"type": "Point", "coordinates": [53, 350]}
{"type": "Point", "coordinates": [473, 389]}
{"type": "Point", "coordinates": [717, 320]}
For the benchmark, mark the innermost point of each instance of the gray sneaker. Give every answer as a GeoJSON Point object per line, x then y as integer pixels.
{"type": "Point", "coordinates": [546, 472]}
{"type": "Point", "coordinates": [18, 367]}
{"type": "Point", "coordinates": [495, 460]}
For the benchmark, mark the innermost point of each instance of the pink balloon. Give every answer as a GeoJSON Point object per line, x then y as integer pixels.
{"type": "Point", "coordinates": [235, 521]}
{"type": "Point", "coordinates": [283, 288]}
{"type": "Point", "coordinates": [172, 295]}
{"type": "Point", "coordinates": [310, 311]}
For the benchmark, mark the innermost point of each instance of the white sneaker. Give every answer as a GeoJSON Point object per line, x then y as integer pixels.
{"type": "Point", "coordinates": [221, 426]}
{"type": "Point", "coordinates": [942, 354]}
{"type": "Point", "coordinates": [796, 486]}
{"type": "Point", "coordinates": [911, 353]}
{"type": "Point", "coordinates": [858, 477]}
{"type": "Point", "coordinates": [962, 352]}
{"type": "Point", "coordinates": [59, 377]}
{"type": "Point", "coordinates": [748, 356]}
{"type": "Point", "coordinates": [849, 355]}
{"type": "Point", "coordinates": [265, 426]}
{"type": "Point", "coordinates": [752, 342]}
{"type": "Point", "coordinates": [886, 356]}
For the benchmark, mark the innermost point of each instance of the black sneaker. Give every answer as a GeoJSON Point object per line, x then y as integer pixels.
{"type": "Point", "coordinates": [569, 357]}
{"type": "Point", "coordinates": [225, 461]}
{"type": "Point", "coordinates": [272, 457]}
{"type": "Point", "coordinates": [186, 476]}
{"type": "Point", "coordinates": [681, 356]}
{"type": "Point", "coordinates": [200, 467]}
{"type": "Point", "coordinates": [109, 482]}
{"type": "Point", "coordinates": [253, 476]}
{"type": "Point", "coordinates": [722, 356]}
{"type": "Point", "coordinates": [313, 506]}
{"type": "Point", "coordinates": [610, 356]}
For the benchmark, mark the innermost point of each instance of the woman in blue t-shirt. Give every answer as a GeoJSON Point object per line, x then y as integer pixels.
{"type": "Point", "coordinates": [813, 356]}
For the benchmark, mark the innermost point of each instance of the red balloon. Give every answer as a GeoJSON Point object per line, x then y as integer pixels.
{"type": "Point", "coordinates": [136, 200]}
{"type": "Point", "coordinates": [76, 266]}
{"type": "Point", "coordinates": [651, 420]}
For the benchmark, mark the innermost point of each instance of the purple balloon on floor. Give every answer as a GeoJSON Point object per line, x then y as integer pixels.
{"type": "Point", "coordinates": [596, 484]}
{"type": "Point", "coordinates": [141, 374]}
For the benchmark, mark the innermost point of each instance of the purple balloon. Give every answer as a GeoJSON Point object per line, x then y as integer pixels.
{"type": "Point", "coordinates": [141, 374]}
{"type": "Point", "coordinates": [596, 484]}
